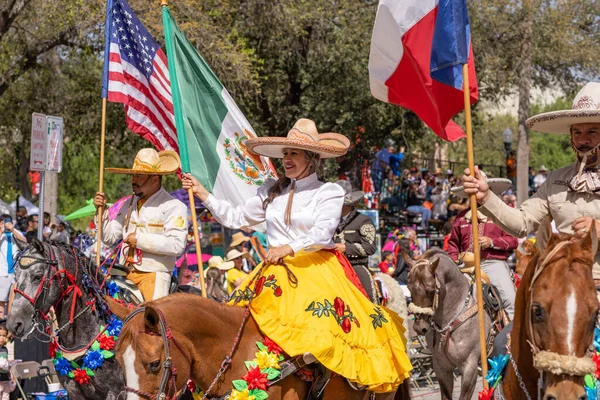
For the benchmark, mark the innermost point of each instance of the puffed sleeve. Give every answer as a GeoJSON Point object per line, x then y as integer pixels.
{"type": "Point", "coordinates": [248, 214]}
{"type": "Point", "coordinates": [328, 211]}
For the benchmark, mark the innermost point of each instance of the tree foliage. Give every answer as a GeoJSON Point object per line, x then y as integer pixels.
{"type": "Point", "coordinates": [280, 61]}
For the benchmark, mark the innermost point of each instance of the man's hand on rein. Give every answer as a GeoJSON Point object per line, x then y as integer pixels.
{"type": "Point", "coordinates": [582, 226]}
{"type": "Point", "coordinates": [131, 240]}
{"type": "Point", "coordinates": [275, 254]}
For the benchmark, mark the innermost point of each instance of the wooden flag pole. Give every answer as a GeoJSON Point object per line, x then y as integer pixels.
{"type": "Point", "coordinates": [101, 183]}
{"type": "Point", "coordinates": [475, 226]}
{"type": "Point", "coordinates": [197, 242]}
{"type": "Point", "coordinates": [185, 165]}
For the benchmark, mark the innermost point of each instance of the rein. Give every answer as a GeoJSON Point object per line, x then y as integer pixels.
{"type": "Point", "coordinates": [169, 372]}
{"type": "Point", "coordinates": [56, 271]}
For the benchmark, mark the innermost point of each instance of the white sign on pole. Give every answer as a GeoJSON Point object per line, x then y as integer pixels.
{"type": "Point", "coordinates": [54, 143]}
{"type": "Point", "coordinates": [39, 135]}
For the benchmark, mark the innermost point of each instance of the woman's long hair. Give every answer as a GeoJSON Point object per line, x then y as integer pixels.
{"type": "Point", "coordinates": [314, 161]}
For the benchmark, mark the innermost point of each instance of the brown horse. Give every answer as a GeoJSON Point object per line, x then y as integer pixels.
{"type": "Point", "coordinates": [204, 332]}
{"type": "Point", "coordinates": [555, 314]}
{"type": "Point", "coordinates": [525, 256]}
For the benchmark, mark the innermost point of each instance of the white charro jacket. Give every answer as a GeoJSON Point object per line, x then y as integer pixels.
{"type": "Point", "coordinates": [553, 200]}
{"type": "Point", "coordinates": [161, 230]}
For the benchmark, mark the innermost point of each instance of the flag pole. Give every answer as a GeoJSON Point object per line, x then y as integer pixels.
{"type": "Point", "coordinates": [185, 163]}
{"type": "Point", "coordinates": [101, 184]}
{"type": "Point", "coordinates": [475, 226]}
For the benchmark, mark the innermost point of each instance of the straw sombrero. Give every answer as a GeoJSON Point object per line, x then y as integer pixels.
{"type": "Point", "coordinates": [586, 109]}
{"type": "Point", "coordinates": [151, 162]}
{"type": "Point", "coordinates": [302, 136]}
{"type": "Point", "coordinates": [238, 238]}
{"type": "Point", "coordinates": [497, 185]}
{"type": "Point", "coordinates": [218, 262]}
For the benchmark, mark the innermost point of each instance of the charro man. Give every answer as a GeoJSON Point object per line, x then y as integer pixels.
{"type": "Point", "coordinates": [355, 237]}
{"type": "Point", "coordinates": [154, 225]}
{"type": "Point", "coordinates": [496, 245]}
{"type": "Point", "coordinates": [570, 195]}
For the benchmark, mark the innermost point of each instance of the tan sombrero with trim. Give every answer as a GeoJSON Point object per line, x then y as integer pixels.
{"type": "Point", "coordinates": [586, 109]}
{"type": "Point", "coordinates": [303, 136]}
{"type": "Point", "coordinates": [151, 162]}
{"type": "Point", "coordinates": [497, 185]}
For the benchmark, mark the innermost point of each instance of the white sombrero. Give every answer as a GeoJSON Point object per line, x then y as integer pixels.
{"type": "Point", "coordinates": [303, 136]}
{"type": "Point", "coordinates": [497, 185]}
{"type": "Point", "coordinates": [586, 109]}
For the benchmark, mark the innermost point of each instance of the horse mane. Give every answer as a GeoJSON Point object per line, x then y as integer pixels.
{"type": "Point", "coordinates": [432, 252]}
{"type": "Point", "coordinates": [224, 316]}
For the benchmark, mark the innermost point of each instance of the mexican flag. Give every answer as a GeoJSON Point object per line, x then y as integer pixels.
{"type": "Point", "coordinates": [211, 129]}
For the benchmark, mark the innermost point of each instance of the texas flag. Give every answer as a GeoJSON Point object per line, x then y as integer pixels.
{"type": "Point", "coordinates": [417, 52]}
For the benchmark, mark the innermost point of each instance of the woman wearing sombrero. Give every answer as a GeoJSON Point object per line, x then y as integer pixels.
{"type": "Point", "coordinates": [324, 310]}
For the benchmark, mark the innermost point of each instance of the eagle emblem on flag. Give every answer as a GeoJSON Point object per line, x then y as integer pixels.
{"type": "Point", "coordinates": [247, 166]}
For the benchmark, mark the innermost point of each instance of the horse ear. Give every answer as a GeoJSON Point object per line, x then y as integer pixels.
{"type": "Point", "coordinates": [152, 319]}
{"type": "Point", "coordinates": [433, 266]}
{"type": "Point", "coordinates": [119, 310]}
{"type": "Point", "coordinates": [407, 259]}
{"type": "Point", "coordinates": [38, 245]}
{"type": "Point", "coordinates": [590, 241]}
{"type": "Point", "coordinates": [21, 244]}
{"type": "Point", "coordinates": [544, 235]}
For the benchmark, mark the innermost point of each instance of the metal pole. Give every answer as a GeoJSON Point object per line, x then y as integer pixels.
{"type": "Point", "coordinates": [40, 234]}
{"type": "Point", "coordinates": [101, 183]}
{"type": "Point", "coordinates": [475, 226]}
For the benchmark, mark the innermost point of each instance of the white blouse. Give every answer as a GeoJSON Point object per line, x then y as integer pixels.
{"type": "Point", "coordinates": [316, 212]}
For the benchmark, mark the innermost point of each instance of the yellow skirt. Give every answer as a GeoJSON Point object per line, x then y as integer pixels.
{"type": "Point", "coordinates": [326, 315]}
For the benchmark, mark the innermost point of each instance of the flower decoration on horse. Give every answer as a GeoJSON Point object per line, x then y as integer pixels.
{"type": "Point", "coordinates": [261, 371]}
{"type": "Point", "coordinates": [82, 368]}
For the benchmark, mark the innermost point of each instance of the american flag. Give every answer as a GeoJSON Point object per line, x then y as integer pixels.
{"type": "Point", "coordinates": [136, 74]}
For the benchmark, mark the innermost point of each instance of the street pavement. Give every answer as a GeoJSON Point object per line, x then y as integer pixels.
{"type": "Point", "coordinates": [429, 393]}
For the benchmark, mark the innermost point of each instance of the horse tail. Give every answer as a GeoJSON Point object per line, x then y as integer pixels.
{"type": "Point", "coordinates": [403, 391]}
{"type": "Point", "coordinates": [396, 302]}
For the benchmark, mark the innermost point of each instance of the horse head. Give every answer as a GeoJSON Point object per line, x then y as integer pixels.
{"type": "Point", "coordinates": [148, 352]}
{"type": "Point", "coordinates": [424, 288]}
{"type": "Point", "coordinates": [36, 288]}
{"type": "Point", "coordinates": [525, 254]}
{"type": "Point", "coordinates": [560, 313]}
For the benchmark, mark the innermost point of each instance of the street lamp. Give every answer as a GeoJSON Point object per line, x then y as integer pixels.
{"type": "Point", "coordinates": [507, 138]}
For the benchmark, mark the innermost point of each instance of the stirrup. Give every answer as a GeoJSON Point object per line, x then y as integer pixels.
{"type": "Point", "coordinates": [322, 377]}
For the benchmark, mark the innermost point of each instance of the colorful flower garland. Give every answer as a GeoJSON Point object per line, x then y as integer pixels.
{"type": "Point", "coordinates": [94, 358]}
{"type": "Point", "coordinates": [498, 365]}
{"type": "Point", "coordinates": [261, 371]}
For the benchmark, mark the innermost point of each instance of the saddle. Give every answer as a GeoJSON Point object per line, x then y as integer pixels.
{"type": "Point", "coordinates": [128, 290]}
{"type": "Point", "coordinates": [492, 305]}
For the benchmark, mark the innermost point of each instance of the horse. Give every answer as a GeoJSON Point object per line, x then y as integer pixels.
{"type": "Point", "coordinates": [443, 299]}
{"type": "Point", "coordinates": [556, 311]}
{"type": "Point", "coordinates": [61, 277]}
{"type": "Point", "coordinates": [396, 301]}
{"type": "Point", "coordinates": [166, 343]}
{"type": "Point", "coordinates": [215, 283]}
{"type": "Point", "coordinates": [524, 254]}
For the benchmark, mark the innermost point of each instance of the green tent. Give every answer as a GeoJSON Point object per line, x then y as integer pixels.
{"type": "Point", "coordinates": [83, 212]}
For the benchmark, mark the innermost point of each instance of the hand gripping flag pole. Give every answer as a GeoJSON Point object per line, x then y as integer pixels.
{"type": "Point", "coordinates": [183, 153]}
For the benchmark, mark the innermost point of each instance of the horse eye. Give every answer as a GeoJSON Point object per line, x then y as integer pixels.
{"type": "Point", "coordinates": [538, 313]}
{"type": "Point", "coordinates": [38, 278]}
{"type": "Point", "coordinates": [154, 366]}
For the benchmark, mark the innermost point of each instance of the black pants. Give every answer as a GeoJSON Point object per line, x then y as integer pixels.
{"type": "Point", "coordinates": [366, 280]}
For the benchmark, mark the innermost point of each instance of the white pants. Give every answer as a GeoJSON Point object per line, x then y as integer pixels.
{"type": "Point", "coordinates": [499, 275]}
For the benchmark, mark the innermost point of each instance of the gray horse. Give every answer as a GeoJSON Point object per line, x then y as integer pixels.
{"type": "Point", "coordinates": [443, 300]}
{"type": "Point", "coordinates": [52, 275]}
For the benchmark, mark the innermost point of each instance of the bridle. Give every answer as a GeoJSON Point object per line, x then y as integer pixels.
{"type": "Point", "coordinates": [168, 376]}
{"type": "Point", "coordinates": [169, 372]}
{"type": "Point", "coordinates": [56, 271]}
{"type": "Point", "coordinates": [544, 360]}
{"type": "Point", "coordinates": [425, 311]}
